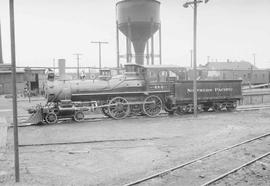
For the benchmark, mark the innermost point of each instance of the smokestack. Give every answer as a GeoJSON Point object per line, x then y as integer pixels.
{"type": "Point", "coordinates": [62, 68]}
{"type": "Point", "coordinates": [1, 53]}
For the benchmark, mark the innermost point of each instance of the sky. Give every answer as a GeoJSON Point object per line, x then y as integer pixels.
{"type": "Point", "coordinates": [53, 29]}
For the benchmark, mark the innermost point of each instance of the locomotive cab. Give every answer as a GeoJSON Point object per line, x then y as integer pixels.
{"type": "Point", "coordinates": [135, 70]}
{"type": "Point", "coordinates": [162, 77]}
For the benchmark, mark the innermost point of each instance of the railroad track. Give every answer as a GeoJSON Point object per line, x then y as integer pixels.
{"type": "Point", "coordinates": [205, 157]}
{"type": "Point", "coordinates": [103, 118]}
{"type": "Point", "coordinates": [87, 142]}
{"type": "Point", "coordinates": [235, 170]}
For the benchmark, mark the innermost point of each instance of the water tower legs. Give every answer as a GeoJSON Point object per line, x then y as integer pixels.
{"type": "Point", "coordinates": [128, 52]}
{"type": "Point", "coordinates": [117, 49]}
{"type": "Point", "coordinates": [152, 43]}
{"type": "Point", "coordinates": [1, 54]}
{"type": "Point", "coordinates": [147, 52]}
{"type": "Point", "coordinates": [160, 56]}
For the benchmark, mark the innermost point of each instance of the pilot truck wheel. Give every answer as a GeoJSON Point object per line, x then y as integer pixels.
{"type": "Point", "coordinates": [51, 118]}
{"type": "Point", "coordinates": [78, 116]}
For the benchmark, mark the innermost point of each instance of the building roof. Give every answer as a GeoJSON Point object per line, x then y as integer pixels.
{"type": "Point", "coordinates": [242, 65]}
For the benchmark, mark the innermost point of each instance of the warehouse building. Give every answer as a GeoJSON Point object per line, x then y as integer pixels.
{"type": "Point", "coordinates": [33, 78]}
{"type": "Point", "coordinates": [245, 71]}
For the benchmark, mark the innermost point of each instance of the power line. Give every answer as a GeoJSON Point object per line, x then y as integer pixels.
{"type": "Point", "coordinates": [99, 47]}
{"type": "Point", "coordinates": [78, 64]}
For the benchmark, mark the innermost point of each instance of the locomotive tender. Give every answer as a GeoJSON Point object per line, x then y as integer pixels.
{"type": "Point", "coordinates": [141, 90]}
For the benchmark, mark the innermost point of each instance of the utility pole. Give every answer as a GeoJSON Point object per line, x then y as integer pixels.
{"type": "Point", "coordinates": [254, 58]}
{"type": "Point", "coordinates": [14, 91]}
{"type": "Point", "coordinates": [251, 70]}
{"type": "Point", "coordinates": [186, 5]}
{"type": "Point", "coordinates": [191, 58]}
{"type": "Point", "coordinates": [99, 47]}
{"type": "Point", "coordinates": [54, 65]}
{"type": "Point", "coordinates": [78, 64]}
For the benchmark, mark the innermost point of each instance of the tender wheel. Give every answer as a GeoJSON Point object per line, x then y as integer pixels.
{"type": "Point", "coordinates": [230, 109]}
{"type": "Point", "coordinates": [180, 111]}
{"type": "Point", "coordinates": [51, 118]}
{"type": "Point", "coordinates": [152, 106]}
{"type": "Point", "coordinates": [216, 107]}
{"type": "Point", "coordinates": [205, 109]}
{"type": "Point", "coordinates": [118, 108]}
{"type": "Point", "coordinates": [187, 109]}
{"type": "Point", "coordinates": [78, 116]}
{"type": "Point", "coordinates": [168, 108]}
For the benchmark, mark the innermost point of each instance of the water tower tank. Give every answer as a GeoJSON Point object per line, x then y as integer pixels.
{"type": "Point", "coordinates": [138, 20]}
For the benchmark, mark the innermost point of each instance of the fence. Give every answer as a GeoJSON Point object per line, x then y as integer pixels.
{"type": "Point", "coordinates": [255, 96]}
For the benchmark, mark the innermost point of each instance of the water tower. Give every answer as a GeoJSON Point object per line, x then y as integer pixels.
{"type": "Point", "coordinates": [1, 54]}
{"type": "Point", "coordinates": [138, 20]}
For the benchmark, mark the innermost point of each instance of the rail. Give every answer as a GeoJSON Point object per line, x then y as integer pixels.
{"type": "Point", "coordinates": [194, 161]}
{"type": "Point", "coordinates": [234, 170]}
{"type": "Point", "coordinates": [97, 118]}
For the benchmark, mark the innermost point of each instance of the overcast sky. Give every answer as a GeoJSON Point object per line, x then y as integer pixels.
{"type": "Point", "coordinates": [47, 29]}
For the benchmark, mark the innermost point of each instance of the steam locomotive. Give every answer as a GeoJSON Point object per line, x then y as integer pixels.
{"type": "Point", "coordinates": [141, 90]}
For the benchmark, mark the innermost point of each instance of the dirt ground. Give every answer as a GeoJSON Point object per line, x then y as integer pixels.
{"type": "Point", "coordinates": [148, 145]}
{"type": "Point", "coordinates": [210, 168]}
{"type": "Point", "coordinates": [256, 174]}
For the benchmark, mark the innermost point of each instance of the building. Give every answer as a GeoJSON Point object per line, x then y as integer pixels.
{"type": "Point", "coordinates": [245, 71]}
{"type": "Point", "coordinates": [229, 65]}
{"type": "Point", "coordinates": [35, 78]}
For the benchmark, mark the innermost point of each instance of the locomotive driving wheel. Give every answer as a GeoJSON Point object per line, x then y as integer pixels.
{"type": "Point", "coordinates": [51, 118]}
{"type": "Point", "coordinates": [78, 116]}
{"type": "Point", "coordinates": [152, 106]}
{"type": "Point", "coordinates": [118, 108]}
{"type": "Point", "coordinates": [231, 108]}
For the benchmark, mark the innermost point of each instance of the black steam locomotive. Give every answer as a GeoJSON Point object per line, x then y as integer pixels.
{"type": "Point", "coordinates": [141, 90]}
